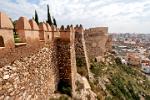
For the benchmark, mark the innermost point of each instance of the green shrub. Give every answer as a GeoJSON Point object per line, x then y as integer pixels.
{"type": "Point", "coordinates": [80, 62]}
{"type": "Point", "coordinates": [115, 91]}
{"type": "Point", "coordinates": [96, 69]}
{"type": "Point", "coordinates": [108, 98]}
{"type": "Point", "coordinates": [118, 82]}
{"type": "Point", "coordinates": [126, 89]}
{"type": "Point", "coordinates": [63, 97]}
{"type": "Point", "coordinates": [81, 67]}
{"type": "Point", "coordinates": [82, 71]}
{"type": "Point", "coordinates": [16, 38]}
{"type": "Point", "coordinates": [132, 91]}
{"type": "Point", "coordinates": [64, 88]}
{"type": "Point", "coordinates": [147, 97]}
{"type": "Point", "coordinates": [128, 69]}
{"type": "Point", "coordinates": [97, 89]}
{"type": "Point", "coordinates": [118, 61]}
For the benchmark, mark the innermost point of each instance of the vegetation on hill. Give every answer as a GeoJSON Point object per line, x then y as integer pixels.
{"type": "Point", "coordinates": [116, 81]}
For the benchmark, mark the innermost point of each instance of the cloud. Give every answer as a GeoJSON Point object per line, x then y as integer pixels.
{"type": "Point", "coordinates": [118, 15]}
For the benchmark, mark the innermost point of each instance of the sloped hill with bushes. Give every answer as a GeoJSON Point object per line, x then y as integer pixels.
{"type": "Point", "coordinates": [116, 81]}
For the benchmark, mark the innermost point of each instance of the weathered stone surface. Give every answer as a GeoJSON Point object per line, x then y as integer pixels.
{"type": "Point", "coordinates": [23, 29]}
{"type": "Point", "coordinates": [84, 93]}
{"type": "Point", "coordinates": [66, 58]}
{"type": "Point", "coordinates": [64, 61]}
{"type": "Point", "coordinates": [80, 49]}
{"type": "Point", "coordinates": [6, 32]}
{"type": "Point", "coordinates": [23, 24]}
{"type": "Point", "coordinates": [33, 77]}
{"type": "Point", "coordinates": [95, 40]}
{"type": "Point", "coordinates": [6, 77]}
{"type": "Point", "coordinates": [5, 21]}
{"type": "Point", "coordinates": [42, 31]}
{"type": "Point", "coordinates": [33, 72]}
{"type": "Point", "coordinates": [33, 25]}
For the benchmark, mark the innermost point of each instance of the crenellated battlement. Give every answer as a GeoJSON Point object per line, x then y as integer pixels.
{"type": "Point", "coordinates": [43, 57]}
{"type": "Point", "coordinates": [29, 32]}
{"type": "Point", "coordinates": [33, 36]}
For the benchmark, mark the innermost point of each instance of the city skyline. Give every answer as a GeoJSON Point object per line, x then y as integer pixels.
{"type": "Point", "coordinates": [118, 15]}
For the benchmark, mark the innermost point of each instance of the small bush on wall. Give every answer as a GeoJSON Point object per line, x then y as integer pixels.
{"type": "Point", "coordinates": [64, 87]}
{"type": "Point", "coordinates": [81, 67]}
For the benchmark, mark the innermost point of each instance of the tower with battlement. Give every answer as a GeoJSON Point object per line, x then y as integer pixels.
{"type": "Point", "coordinates": [95, 40]}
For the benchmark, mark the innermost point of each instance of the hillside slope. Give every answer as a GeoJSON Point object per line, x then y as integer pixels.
{"type": "Point", "coordinates": [115, 81]}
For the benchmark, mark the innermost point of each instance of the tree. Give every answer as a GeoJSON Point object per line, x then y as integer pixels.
{"type": "Point", "coordinates": [14, 24]}
{"type": "Point", "coordinates": [54, 21]}
{"type": "Point", "coordinates": [36, 17]}
{"type": "Point", "coordinates": [49, 20]}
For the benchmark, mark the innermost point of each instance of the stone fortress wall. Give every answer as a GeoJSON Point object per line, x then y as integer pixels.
{"type": "Point", "coordinates": [97, 42]}
{"type": "Point", "coordinates": [34, 67]}
{"type": "Point", "coordinates": [44, 58]}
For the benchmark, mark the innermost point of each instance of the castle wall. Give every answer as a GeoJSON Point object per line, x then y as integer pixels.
{"type": "Point", "coordinates": [42, 31]}
{"type": "Point", "coordinates": [109, 43]}
{"type": "Point", "coordinates": [6, 31]}
{"type": "Point", "coordinates": [80, 48]}
{"type": "Point", "coordinates": [23, 29]}
{"type": "Point", "coordinates": [8, 37]}
{"type": "Point", "coordinates": [35, 30]}
{"type": "Point", "coordinates": [49, 35]}
{"type": "Point", "coordinates": [27, 71]}
{"type": "Point", "coordinates": [32, 77]}
{"type": "Point", "coordinates": [46, 59]}
{"type": "Point", "coordinates": [55, 31]}
{"type": "Point", "coordinates": [66, 58]}
{"type": "Point", "coordinates": [95, 40]}
{"type": "Point", "coordinates": [30, 71]}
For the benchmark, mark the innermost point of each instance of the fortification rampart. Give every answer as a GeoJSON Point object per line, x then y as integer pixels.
{"type": "Point", "coordinates": [80, 50]}
{"type": "Point", "coordinates": [95, 40]}
{"type": "Point", "coordinates": [38, 60]}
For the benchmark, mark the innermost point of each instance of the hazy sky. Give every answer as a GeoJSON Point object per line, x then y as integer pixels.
{"type": "Point", "coordinates": [118, 15]}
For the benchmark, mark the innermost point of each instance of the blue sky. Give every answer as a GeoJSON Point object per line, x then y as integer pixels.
{"type": "Point", "coordinates": [118, 15]}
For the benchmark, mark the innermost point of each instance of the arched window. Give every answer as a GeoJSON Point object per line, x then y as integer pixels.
{"type": "Point", "coordinates": [1, 42]}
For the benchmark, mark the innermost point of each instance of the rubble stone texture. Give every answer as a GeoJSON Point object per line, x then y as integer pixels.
{"type": "Point", "coordinates": [66, 57]}
{"type": "Point", "coordinates": [80, 50]}
{"type": "Point", "coordinates": [64, 61]}
{"type": "Point", "coordinates": [33, 77]}
{"type": "Point", "coordinates": [34, 70]}
{"type": "Point", "coordinates": [79, 47]}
